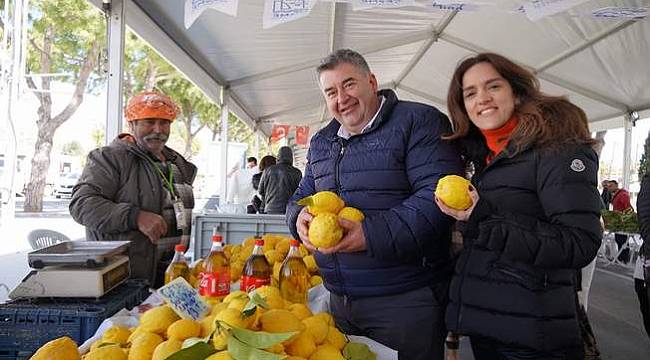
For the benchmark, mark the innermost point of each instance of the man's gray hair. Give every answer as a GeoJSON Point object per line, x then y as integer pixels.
{"type": "Point", "coordinates": [343, 56]}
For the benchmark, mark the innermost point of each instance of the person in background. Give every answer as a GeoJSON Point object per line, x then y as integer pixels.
{"type": "Point", "coordinates": [255, 207]}
{"type": "Point", "coordinates": [535, 217]}
{"type": "Point", "coordinates": [138, 189]}
{"type": "Point", "coordinates": [251, 163]}
{"type": "Point", "coordinates": [278, 183]}
{"type": "Point", "coordinates": [605, 194]}
{"type": "Point", "coordinates": [620, 202]}
{"type": "Point", "coordinates": [389, 274]}
{"type": "Point", "coordinates": [642, 270]}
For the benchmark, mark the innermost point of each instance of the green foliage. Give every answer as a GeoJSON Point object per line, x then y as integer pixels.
{"type": "Point", "coordinates": [644, 163]}
{"type": "Point", "coordinates": [74, 26]}
{"type": "Point", "coordinates": [616, 221]}
{"type": "Point", "coordinates": [198, 351]}
{"type": "Point", "coordinates": [357, 351]}
{"type": "Point", "coordinates": [72, 148]}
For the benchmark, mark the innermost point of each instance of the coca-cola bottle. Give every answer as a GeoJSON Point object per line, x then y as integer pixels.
{"type": "Point", "coordinates": [257, 271]}
{"type": "Point", "coordinates": [214, 278]}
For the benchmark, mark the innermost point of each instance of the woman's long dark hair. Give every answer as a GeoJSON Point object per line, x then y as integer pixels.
{"type": "Point", "coordinates": [544, 121]}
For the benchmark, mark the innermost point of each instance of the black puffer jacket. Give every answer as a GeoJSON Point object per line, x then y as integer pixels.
{"type": "Point", "coordinates": [643, 211]}
{"type": "Point", "coordinates": [279, 182]}
{"type": "Point", "coordinates": [537, 222]}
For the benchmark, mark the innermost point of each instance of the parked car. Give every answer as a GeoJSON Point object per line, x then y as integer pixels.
{"type": "Point", "coordinates": [66, 183]}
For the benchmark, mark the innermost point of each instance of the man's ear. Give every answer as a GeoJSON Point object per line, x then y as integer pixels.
{"type": "Point", "coordinates": [373, 82]}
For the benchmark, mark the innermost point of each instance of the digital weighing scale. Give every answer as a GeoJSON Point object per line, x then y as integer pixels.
{"type": "Point", "coordinates": [75, 269]}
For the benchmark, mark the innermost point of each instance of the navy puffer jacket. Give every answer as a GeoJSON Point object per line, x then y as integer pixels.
{"type": "Point", "coordinates": [537, 221]}
{"type": "Point", "coordinates": [389, 172]}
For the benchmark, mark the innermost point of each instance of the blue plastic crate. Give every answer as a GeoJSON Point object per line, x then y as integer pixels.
{"type": "Point", "coordinates": [26, 325]}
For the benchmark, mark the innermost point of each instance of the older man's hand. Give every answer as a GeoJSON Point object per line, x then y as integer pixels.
{"type": "Point", "coordinates": [152, 225]}
{"type": "Point", "coordinates": [353, 240]}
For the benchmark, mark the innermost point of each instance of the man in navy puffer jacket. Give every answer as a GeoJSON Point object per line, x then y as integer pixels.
{"type": "Point", "coordinates": [389, 275]}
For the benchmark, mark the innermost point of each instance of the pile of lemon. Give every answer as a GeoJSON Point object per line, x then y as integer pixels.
{"type": "Point", "coordinates": [161, 333]}
{"type": "Point", "coordinates": [327, 207]}
{"type": "Point", "coordinates": [276, 248]}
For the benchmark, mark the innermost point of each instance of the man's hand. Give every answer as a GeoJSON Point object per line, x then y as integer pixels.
{"type": "Point", "coordinates": [353, 240]}
{"type": "Point", "coordinates": [152, 225]}
{"type": "Point", "coordinates": [302, 226]}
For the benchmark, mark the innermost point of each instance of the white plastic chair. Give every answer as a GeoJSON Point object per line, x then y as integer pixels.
{"type": "Point", "coordinates": [41, 238]}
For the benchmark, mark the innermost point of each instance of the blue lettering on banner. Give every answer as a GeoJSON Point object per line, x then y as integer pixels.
{"type": "Point", "coordinates": [289, 8]}
{"type": "Point", "coordinates": [449, 6]}
{"type": "Point", "coordinates": [381, 2]}
{"type": "Point", "coordinates": [184, 299]}
{"type": "Point", "coordinates": [621, 12]}
{"type": "Point", "coordinates": [197, 4]}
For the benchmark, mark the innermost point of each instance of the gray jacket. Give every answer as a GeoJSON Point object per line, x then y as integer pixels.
{"type": "Point", "coordinates": [117, 182]}
{"type": "Point", "coordinates": [279, 182]}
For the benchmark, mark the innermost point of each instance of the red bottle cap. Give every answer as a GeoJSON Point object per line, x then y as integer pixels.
{"type": "Point", "coordinates": [180, 247]}
{"type": "Point", "coordinates": [217, 238]}
{"type": "Point", "coordinates": [294, 242]}
{"type": "Point", "coordinates": [259, 242]}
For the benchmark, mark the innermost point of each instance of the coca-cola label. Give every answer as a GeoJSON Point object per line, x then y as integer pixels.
{"type": "Point", "coordinates": [214, 284]}
{"type": "Point", "coordinates": [250, 283]}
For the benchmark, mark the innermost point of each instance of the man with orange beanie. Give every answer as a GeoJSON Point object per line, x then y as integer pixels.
{"type": "Point", "coordinates": [138, 189]}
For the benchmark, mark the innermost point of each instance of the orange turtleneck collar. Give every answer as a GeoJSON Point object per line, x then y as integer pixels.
{"type": "Point", "coordinates": [497, 139]}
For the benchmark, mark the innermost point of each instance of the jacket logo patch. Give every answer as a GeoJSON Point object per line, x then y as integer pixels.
{"type": "Point", "coordinates": [577, 165]}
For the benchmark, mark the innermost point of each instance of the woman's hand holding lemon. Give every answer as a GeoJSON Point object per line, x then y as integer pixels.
{"type": "Point", "coordinates": [456, 197]}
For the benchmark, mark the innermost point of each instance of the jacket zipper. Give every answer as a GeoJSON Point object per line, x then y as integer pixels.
{"type": "Point", "coordinates": [338, 191]}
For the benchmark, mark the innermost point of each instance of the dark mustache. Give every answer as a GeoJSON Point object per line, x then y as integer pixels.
{"type": "Point", "coordinates": [156, 136]}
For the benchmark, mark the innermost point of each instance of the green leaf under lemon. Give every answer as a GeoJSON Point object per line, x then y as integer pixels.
{"type": "Point", "coordinates": [198, 351]}
{"type": "Point", "coordinates": [241, 351]}
{"type": "Point", "coordinates": [357, 351]}
{"type": "Point", "coordinates": [260, 339]}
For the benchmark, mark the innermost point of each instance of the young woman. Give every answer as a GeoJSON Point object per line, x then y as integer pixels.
{"type": "Point", "coordinates": [535, 213]}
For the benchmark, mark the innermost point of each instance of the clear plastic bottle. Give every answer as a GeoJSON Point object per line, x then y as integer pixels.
{"type": "Point", "coordinates": [257, 271]}
{"type": "Point", "coordinates": [178, 267]}
{"type": "Point", "coordinates": [214, 276]}
{"type": "Point", "coordinates": [294, 277]}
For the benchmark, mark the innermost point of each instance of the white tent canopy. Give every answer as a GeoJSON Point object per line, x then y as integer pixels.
{"type": "Point", "coordinates": [601, 64]}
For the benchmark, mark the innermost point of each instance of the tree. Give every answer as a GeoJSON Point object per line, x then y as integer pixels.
{"type": "Point", "coordinates": [66, 38]}
{"type": "Point", "coordinates": [72, 148]}
{"type": "Point", "coordinates": [644, 163]}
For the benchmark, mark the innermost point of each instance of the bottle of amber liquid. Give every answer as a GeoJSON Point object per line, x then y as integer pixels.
{"type": "Point", "coordinates": [294, 277]}
{"type": "Point", "coordinates": [257, 271]}
{"type": "Point", "coordinates": [214, 276]}
{"type": "Point", "coordinates": [178, 267]}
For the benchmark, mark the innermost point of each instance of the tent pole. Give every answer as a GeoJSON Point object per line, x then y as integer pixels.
{"type": "Point", "coordinates": [115, 15]}
{"type": "Point", "coordinates": [224, 147]}
{"type": "Point", "coordinates": [627, 149]}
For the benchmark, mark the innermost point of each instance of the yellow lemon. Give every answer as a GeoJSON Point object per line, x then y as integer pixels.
{"type": "Point", "coordinates": [310, 262]}
{"type": "Point", "coordinates": [62, 348]}
{"type": "Point", "coordinates": [143, 346]}
{"type": "Point", "coordinates": [336, 338]}
{"type": "Point", "coordinates": [279, 321]}
{"type": "Point", "coordinates": [318, 328]}
{"type": "Point", "coordinates": [108, 352]}
{"type": "Point", "coordinates": [166, 349]}
{"type": "Point", "coordinates": [327, 317]}
{"type": "Point", "coordinates": [323, 202]}
{"type": "Point", "coordinates": [325, 231]}
{"type": "Point", "coordinates": [222, 355]}
{"type": "Point", "coordinates": [352, 214]}
{"type": "Point", "coordinates": [220, 341]}
{"type": "Point", "coordinates": [158, 319]}
{"type": "Point", "coordinates": [184, 329]}
{"type": "Point", "coordinates": [300, 310]}
{"type": "Point", "coordinates": [453, 190]}
{"type": "Point", "coordinates": [117, 335]}
{"type": "Point", "coordinates": [233, 317]}
{"type": "Point", "coordinates": [326, 352]}
{"type": "Point", "coordinates": [303, 345]}
{"type": "Point", "coordinates": [315, 280]}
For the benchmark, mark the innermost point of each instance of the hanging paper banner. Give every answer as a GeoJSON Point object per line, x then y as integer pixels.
{"type": "Point", "coordinates": [621, 13]}
{"type": "Point", "coordinates": [194, 8]}
{"type": "Point", "coordinates": [282, 11]}
{"type": "Point", "coordinates": [459, 6]}
{"type": "Point", "coordinates": [302, 135]}
{"type": "Point", "coordinates": [368, 4]}
{"type": "Point", "coordinates": [537, 9]}
{"type": "Point", "coordinates": [279, 132]}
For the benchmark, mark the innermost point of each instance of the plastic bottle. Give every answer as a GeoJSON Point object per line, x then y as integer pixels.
{"type": "Point", "coordinates": [178, 267]}
{"type": "Point", "coordinates": [214, 276]}
{"type": "Point", "coordinates": [294, 277]}
{"type": "Point", "coordinates": [257, 271]}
